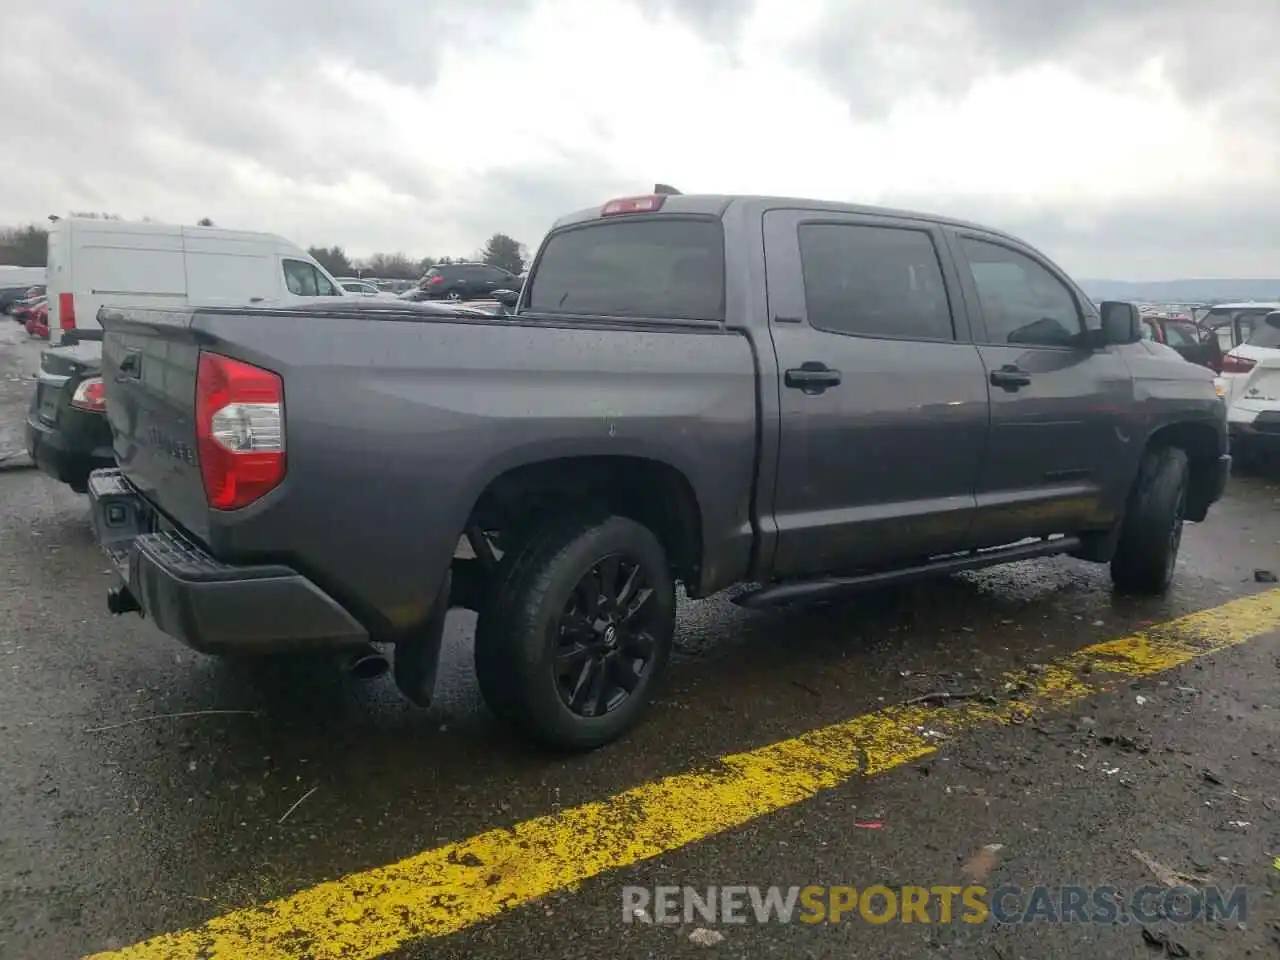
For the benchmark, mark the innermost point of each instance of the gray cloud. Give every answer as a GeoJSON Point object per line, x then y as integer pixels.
{"type": "Point", "coordinates": [1226, 234]}
{"type": "Point", "coordinates": [873, 53]}
{"type": "Point", "coordinates": [207, 73]}
{"type": "Point", "coordinates": [715, 20]}
{"type": "Point", "coordinates": [152, 109]}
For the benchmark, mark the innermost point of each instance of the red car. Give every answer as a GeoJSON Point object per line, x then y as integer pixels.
{"type": "Point", "coordinates": [21, 311]}
{"type": "Point", "coordinates": [38, 321]}
{"type": "Point", "coordinates": [1181, 332]}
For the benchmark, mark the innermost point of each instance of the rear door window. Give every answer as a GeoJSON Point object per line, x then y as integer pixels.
{"type": "Point", "coordinates": [660, 267]}
{"type": "Point", "coordinates": [873, 282]}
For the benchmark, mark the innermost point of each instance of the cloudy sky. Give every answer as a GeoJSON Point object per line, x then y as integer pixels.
{"type": "Point", "coordinates": [1131, 139]}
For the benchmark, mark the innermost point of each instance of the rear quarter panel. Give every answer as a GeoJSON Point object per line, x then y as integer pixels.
{"type": "Point", "coordinates": [395, 427]}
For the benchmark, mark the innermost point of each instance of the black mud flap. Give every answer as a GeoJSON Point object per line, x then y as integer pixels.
{"type": "Point", "coordinates": [417, 658]}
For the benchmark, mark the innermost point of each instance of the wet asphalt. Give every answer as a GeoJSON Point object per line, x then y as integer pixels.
{"type": "Point", "coordinates": [108, 836]}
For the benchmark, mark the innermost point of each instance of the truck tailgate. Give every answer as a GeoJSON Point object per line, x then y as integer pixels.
{"type": "Point", "coordinates": [149, 362]}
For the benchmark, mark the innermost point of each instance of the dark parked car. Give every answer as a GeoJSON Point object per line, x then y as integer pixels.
{"type": "Point", "coordinates": [466, 281]}
{"type": "Point", "coordinates": [68, 435]}
{"type": "Point", "coordinates": [811, 397]}
{"type": "Point", "coordinates": [22, 310]}
{"type": "Point", "coordinates": [10, 297]}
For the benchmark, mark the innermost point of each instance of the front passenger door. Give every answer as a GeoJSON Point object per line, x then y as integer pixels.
{"type": "Point", "coordinates": [1060, 447]}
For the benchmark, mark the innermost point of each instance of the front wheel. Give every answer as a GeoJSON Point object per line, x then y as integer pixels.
{"type": "Point", "coordinates": [1151, 532]}
{"type": "Point", "coordinates": [578, 633]}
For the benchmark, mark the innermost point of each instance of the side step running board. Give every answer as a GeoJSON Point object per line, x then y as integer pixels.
{"type": "Point", "coordinates": [832, 587]}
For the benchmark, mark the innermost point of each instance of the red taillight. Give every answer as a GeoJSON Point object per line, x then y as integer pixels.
{"type": "Point", "coordinates": [646, 204]}
{"type": "Point", "coordinates": [432, 281]}
{"type": "Point", "coordinates": [1233, 364]}
{"type": "Point", "coordinates": [90, 395]}
{"type": "Point", "coordinates": [67, 311]}
{"type": "Point", "coordinates": [239, 430]}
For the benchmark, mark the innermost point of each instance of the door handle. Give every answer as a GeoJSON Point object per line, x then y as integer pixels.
{"type": "Point", "coordinates": [812, 376]}
{"type": "Point", "coordinates": [130, 366]}
{"type": "Point", "coordinates": [1010, 377]}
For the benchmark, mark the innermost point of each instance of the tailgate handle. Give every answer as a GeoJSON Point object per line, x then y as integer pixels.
{"type": "Point", "coordinates": [130, 366]}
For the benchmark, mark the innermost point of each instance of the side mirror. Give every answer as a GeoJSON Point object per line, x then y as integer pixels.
{"type": "Point", "coordinates": [508, 298]}
{"type": "Point", "coordinates": [1121, 322]}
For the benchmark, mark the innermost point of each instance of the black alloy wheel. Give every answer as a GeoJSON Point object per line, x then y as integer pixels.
{"type": "Point", "coordinates": [605, 642]}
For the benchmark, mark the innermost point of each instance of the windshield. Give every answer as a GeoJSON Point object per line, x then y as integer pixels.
{"type": "Point", "coordinates": [661, 267]}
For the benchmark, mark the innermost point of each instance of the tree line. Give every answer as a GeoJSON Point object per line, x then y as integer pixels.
{"type": "Point", "coordinates": [29, 247]}
{"type": "Point", "coordinates": [499, 250]}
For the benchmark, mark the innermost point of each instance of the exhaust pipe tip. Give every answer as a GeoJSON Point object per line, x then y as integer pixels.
{"type": "Point", "coordinates": [367, 664]}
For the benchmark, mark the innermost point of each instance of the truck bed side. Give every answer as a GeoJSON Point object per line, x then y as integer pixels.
{"type": "Point", "coordinates": [396, 427]}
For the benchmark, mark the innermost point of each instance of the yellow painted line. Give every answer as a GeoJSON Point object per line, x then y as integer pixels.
{"type": "Point", "coordinates": [365, 915]}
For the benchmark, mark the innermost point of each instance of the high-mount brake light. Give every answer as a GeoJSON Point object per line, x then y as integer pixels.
{"type": "Point", "coordinates": [646, 204]}
{"type": "Point", "coordinates": [239, 430]}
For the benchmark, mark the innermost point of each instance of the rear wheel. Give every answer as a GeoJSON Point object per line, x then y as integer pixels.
{"type": "Point", "coordinates": [1151, 532]}
{"type": "Point", "coordinates": [578, 632]}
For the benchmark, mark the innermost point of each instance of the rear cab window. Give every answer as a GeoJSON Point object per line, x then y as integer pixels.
{"type": "Point", "coordinates": [659, 267]}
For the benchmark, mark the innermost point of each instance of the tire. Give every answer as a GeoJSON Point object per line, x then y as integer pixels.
{"type": "Point", "coordinates": [542, 667]}
{"type": "Point", "coordinates": [1151, 531]}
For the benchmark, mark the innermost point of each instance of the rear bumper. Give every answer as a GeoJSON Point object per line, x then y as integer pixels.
{"type": "Point", "coordinates": [211, 606]}
{"type": "Point", "coordinates": [70, 451]}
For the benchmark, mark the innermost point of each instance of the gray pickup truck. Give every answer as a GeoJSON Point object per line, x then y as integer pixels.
{"type": "Point", "coordinates": [805, 397]}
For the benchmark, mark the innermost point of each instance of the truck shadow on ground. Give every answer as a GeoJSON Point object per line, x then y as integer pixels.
{"type": "Point", "coordinates": [740, 678]}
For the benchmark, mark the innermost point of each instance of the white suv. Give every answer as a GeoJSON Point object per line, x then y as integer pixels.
{"type": "Point", "coordinates": [1251, 379]}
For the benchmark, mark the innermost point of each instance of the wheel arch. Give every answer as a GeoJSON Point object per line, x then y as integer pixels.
{"type": "Point", "coordinates": [648, 490]}
{"type": "Point", "coordinates": [1202, 443]}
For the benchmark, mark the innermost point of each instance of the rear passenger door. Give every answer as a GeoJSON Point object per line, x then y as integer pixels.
{"type": "Point", "coordinates": [1061, 452]}
{"type": "Point", "coordinates": [882, 394]}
